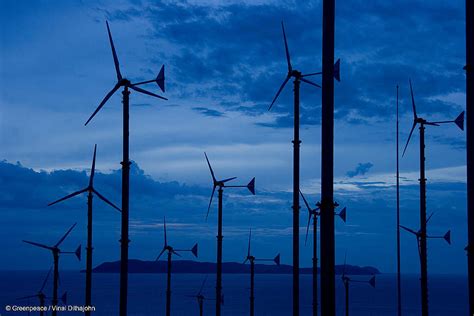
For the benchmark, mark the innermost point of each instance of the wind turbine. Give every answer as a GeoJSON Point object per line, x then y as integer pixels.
{"type": "Point", "coordinates": [126, 84]}
{"type": "Point", "coordinates": [298, 78]}
{"type": "Point", "coordinates": [201, 298]}
{"type": "Point", "coordinates": [56, 251]}
{"type": "Point", "coordinates": [40, 295]}
{"type": "Point", "coordinates": [346, 280]}
{"type": "Point", "coordinates": [91, 191]}
{"type": "Point", "coordinates": [314, 213]}
{"type": "Point", "coordinates": [250, 258]}
{"type": "Point", "coordinates": [172, 251]}
{"type": "Point", "coordinates": [459, 121]}
{"type": "Point", "coordinates": [222, 184]}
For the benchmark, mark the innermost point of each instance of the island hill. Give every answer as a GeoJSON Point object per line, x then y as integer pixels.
{"type": "Point", "coordinates": [189, 266]}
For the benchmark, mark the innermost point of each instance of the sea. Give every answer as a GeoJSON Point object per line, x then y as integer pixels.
{"type": "Point", "coordinates": [447, 294]}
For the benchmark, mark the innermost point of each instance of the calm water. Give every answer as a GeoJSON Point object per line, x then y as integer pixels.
{"type": "Point", "coordinates": [448, 294]}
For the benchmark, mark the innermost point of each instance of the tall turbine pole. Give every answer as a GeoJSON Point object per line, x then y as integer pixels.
{"type": "Point", "coordinates": [168, 286]}
{"type": "Point", "coordinates": [470, 146]}
{"type": "Point", "coordinates": [296, 198]}
{"type": "Point", "coordinates": [219, 254]}
{"type": "Point", "coordinates": [55, 281]}
{"type": "Point", "coordinates": [89, 254]}
{"type": "Point", "coordinates": [423, 252]}
{"type": "Point", "coordinates": [399, 285]}
{"type": "Point", "coordinates": [328, 290]}
{"type": "Point", "coordinates": [125, 204]}
{"type": "Point", "coordinates": [252, 288]}
{"type": "Point", "coordinates": [315, 266]}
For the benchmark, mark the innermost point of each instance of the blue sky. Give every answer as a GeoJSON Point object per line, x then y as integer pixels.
{"type": "Point", "coordinates": [224, 61]}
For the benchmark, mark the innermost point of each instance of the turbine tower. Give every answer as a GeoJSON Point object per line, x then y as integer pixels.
{"type": "Point", "coordinates": [40, 295]}
{"type": "Point", "coordinates": [298, 78]}
{"type": "Point", "coordinates": [90, 194]}
{"type": "Point", "coordinates": [56, 251]}
{"type": "Point", "coordinates": [222, 184]}
{"type": "Point", "coordinates": [314, 213]}
{"type": "Point", "coordinates": [126, 85]}
{"type": "Point", "coordinates": [250, 258]}
{"type": "Point", "coordinates": [347, 281]}
{"type": "Point", "coordinates": [172, 251]}
{"type": "Point", "coordinates": [201, 298]}
{"type": "Point", "coordinates": [459, 121]}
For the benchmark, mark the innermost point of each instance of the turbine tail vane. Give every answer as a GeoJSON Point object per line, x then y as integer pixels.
{"type": "Point", "coordinates": [160, 79]}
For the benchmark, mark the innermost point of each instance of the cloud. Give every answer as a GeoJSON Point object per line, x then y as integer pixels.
{"type": "Point", "coordinates": [361, 169]}
{"type": "Point", "coordinates": [208, 112]}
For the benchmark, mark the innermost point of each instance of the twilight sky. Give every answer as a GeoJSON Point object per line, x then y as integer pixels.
{"type": "Point", "coordinates": [224, 62]}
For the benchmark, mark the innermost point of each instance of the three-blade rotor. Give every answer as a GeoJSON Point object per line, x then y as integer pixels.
{"type": "Point", "coordinates": [123, 82]}
{"type": "Point", "coordinates": [252, 258]}
{"type": "Point", "coordinates": [90, 188]}
{"type": "Point", "coordinates": [221, 184]}
{"type": "Point", "coordinates": [171, 250]}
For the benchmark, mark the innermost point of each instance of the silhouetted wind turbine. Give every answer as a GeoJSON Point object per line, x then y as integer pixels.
{"type": "Point", "coordinates": [91, 191]}
{"type": "Point", "coordinates": [56, 251]}
{"type": "Point", "coordinates": [221, 184]}
{"type": "Point", "coordinates": [346, 280]}
{"type": "Point", "coordinates": [201, 298]}
{"type": "Point", "coordinates": [250, 258]}
{"type": "Point", "coordinates": [314, 213]}
{"type": "Point", "coordinates": [126, 84]}
{"type": "Point", "coordinates": [40, 295]}
{"type": "Point", "coordinates": [459, 121]}
{"type": "Point", "coordinates": [171, 251]}
{"type": "Point", "coordinates": [298, 78]}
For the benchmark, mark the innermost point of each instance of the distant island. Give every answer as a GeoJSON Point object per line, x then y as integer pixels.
{"type": "Point", "coordinates": [189, 266]}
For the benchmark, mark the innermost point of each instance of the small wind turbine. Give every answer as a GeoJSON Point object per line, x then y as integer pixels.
{"type": "Point", "coordinates": [346, 280]}
{"type": "Point", "coordinates": [126, 84]}
{"type": "Point", "coordinates": [56, 251]}
{"type": "Point", "coordinates": [221, 184]}
{"type": "Point", "coordinates": [201, 298]}
{"type": "Point", "coordinates": [172, 251]}
{"type": "Point", "coordinates": [90, 190]}
{"type": "Point", "coordinates": [459, 121]}
{"type": "Point", "coordinates": [298, 78]}
{"type": "Point", "coordinates": [250, 258]}
{"type": "Point", "coordinates": [40, 295]}
{"type": "Point", "coordinates": [314, 213]}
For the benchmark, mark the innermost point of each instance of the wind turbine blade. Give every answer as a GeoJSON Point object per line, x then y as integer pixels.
{"type": "Point", "coordinates": [176, 253]}
{"type": "Point", "coordinates": [447, 237]}
{"type": "Point", "coordinates": [228, 179]}
{"type": "Point", "coordinates": [68, 196]}
{"type": "Point", "coordinates": [409, 136]}
{"type": "Point", "coordinates": [337, 67]}
{"type": "Point", "coordinates": [245, 261]}
{"type": "Point", "coordinates": [306, 203]}
{"type": "Point", "coordinates": [413, 101]}
{"type": "Point", "coordinates": [194, 250]}
{"type": "Point", "coordinates": [459, 121]}
{"type": "Point", "coordinates": [65, 235]}
{"type": "Point", "coordinates": [162, 251]}
{"type": "Point", "coordinates": [160, 79]}
{"type": "Point", "coordinates": [38, 244]}
{"type": "Point", "coordinates": [251, 186]}
{"type": "Point", "coordinates": [147, 92]}
{"type": "Point", "coordinates": [106, 201]}
{"type": "Point", "coordinates": [164, 226]}
{"type": "Point", "coordinates": [210, 201]}
{"type": "Point", "coordinates": [25, 297]}
{"type": "Point", "coordinates": [114, 53]}
{"type": "Point", "coordinates": [45, 280]}
{"type": "Point", "coordinates": [91, 179]}
{"type": "Point", "coordinates": [64, 298]}
{"type": "Point", "coordinates": [279, 90]}
{"type": "Point", "coordinates": [202, 285]}
{"type": "Point", "coordinates": [287, 52]}
{"type": "Point", "coordinates": [429, 217]}
{"type": "Point", "coordinates": [307, 228]}
{"type": "Point", "coordinates": [107, 97]}
{"type": "Point", "coordinates": [210, 168]}
{"type": "Point", "coordinates": [372, 281]}
{"type": "Point", "coordinates": [248, 248]}
{"type": "Point", "coordinates": [310, 82]}
{"type": "Point", "coordinates": [277, 259]}
{"type": "Point", "coordinates": [409, 230]}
